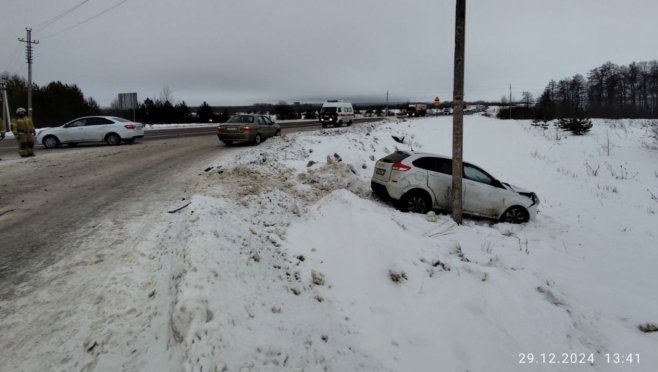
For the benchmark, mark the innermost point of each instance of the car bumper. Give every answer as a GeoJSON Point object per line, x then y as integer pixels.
{"type": "Point", "coordinates": [137, 136]}
{"type": "Point", "coordinates": [385, 192]}
{"type": "Point", "coordinates": [239, 136]}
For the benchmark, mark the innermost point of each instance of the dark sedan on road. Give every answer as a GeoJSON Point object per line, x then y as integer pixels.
{"type": "Point", "coordinates": [247, 128]}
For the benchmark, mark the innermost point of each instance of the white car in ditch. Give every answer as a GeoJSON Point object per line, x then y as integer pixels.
{"type": "Point", "coordinates": [418, 182]}
{"type": "Point", "coordinates": [108, 129]}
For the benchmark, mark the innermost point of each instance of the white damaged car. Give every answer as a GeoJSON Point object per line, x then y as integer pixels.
{"type": "Point", "coordinates": [419, 182]}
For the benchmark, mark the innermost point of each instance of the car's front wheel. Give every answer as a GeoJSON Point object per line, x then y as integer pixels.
{"type": "Point", "coordinates": [515, 215]}
{"type": "Point", "coordinates": [278, 133]}
{"type": "Point", "coordinates": [415, 202]}
{"type": "Point", "coordinates": [50, 142]}
{"type": "Point", "coordinates": [113, 139]}
{"type": "Point", "coordinates": [324, 125]}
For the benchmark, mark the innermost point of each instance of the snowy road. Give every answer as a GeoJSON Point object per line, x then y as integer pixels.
{"type": "Point", "coordinates": [55, 201]}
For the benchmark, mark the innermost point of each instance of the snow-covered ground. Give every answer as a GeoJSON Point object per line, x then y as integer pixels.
{"type": "Point", "coordinates": [297, 262]}
{"type": "Point", "coordinates": [284, 262]}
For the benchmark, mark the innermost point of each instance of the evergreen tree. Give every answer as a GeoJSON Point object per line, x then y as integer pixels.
{"type": "Point", "coordinates": [182, 112]}
{"type": "Point", "coordinates": [204, 112]}
{"type": "Point", "coordinates": [579, 125]}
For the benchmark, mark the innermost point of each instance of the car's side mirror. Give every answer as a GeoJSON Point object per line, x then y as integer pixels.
{"type": "Point", "coordinates": [498, 184]}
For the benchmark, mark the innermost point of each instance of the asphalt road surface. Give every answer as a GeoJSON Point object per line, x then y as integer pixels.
{"type": "Point", "coordinates": [51, 203]}
{"type": "Point", "coordinates": [9, 150]}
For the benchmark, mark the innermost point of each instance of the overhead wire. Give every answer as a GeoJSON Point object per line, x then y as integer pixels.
{"type": "Point", "coordinates": [49, 22]}
{"type": "Point", "coordinates": [12, 61]}
{"type": "Point", "coordinates": [85, 21]}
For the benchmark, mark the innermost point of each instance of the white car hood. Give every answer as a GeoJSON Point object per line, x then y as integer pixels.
{"type": "Point", "coordinates": [516, 188]}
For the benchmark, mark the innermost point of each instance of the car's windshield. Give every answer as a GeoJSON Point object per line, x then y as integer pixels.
{"type": "Point", "coordinates": [474, 174]}
{"type": "Point", "coordinates": [329, 110]}
{"type": "Point", "coordinates": [241, 119]}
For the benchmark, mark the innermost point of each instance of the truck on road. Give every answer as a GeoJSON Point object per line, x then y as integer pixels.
{"type": "Point", "coordinates": [416, 109]}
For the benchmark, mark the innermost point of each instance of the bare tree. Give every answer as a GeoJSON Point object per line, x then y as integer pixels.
{"type": "Point", "coordinates": [167, 95]}
{"type": "Point", "coordinates": [527, 98]}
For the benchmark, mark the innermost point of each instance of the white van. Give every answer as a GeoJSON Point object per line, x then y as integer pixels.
{"type": "Point", "coordinates": [336, 113]}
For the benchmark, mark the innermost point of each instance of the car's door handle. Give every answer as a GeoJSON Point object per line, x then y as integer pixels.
{"type": "Point", "coordinates": [470, 183]}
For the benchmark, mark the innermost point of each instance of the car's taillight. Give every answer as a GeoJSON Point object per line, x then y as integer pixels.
{"type": "Point", "coordinates": [220, 128]}
{"type": "Point", "coordinates": [400, 167]}
{"type": "Point", "coordinates": [129, 126]}
{"type": "Point", "coordinates": [246, 128]}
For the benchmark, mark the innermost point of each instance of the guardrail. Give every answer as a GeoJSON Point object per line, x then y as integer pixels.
{"type": "Point", "coordinates": [313, 123]}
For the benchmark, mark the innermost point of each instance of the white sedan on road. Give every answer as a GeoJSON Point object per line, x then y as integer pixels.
{"type": "Point", "coordinates": [418, 182]}
{"type": "Point", "coordinates": [109, 129]}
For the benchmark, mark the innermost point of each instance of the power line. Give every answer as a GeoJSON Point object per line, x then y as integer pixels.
{"type": "Point", "coordinates": [49, 22]}
{"type": "Point", "coordinates": [13, 58]}
{"type": "Point", "coordinates": [85, 21]}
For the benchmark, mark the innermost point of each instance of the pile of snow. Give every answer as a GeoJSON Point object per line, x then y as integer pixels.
{"type": "Point", "coordinates": [289, 264]}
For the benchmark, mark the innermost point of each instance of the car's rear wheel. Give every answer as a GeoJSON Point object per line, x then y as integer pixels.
{"type": "Point", "coordinates": [349, 124]}
{"type": "Point", "coordinates": [515, 214]}
{"type": "Point", "coordinates": [113, 139]}
{"type": "Point", "coordinates": [257, 140]}
{"type": "Point", "coordinates": [50, 142]}
{"type": "Point", "coordinates": [129, 141]}
{"type": "Point", "coordinates": [228, 143]}
{"type": "Point", "coordinates": [415, 202]}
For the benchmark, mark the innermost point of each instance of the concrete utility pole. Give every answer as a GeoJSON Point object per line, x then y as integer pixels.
{"type": "Point", "coordinates": [510, 101]}
{"type": "Point", "coordinates": [458, 116]}
{"type": "Point", "coordinates": [28, 53]}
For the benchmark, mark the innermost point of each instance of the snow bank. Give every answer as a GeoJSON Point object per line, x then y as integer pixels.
{"type": "Point", "coordinates": [290, 265]}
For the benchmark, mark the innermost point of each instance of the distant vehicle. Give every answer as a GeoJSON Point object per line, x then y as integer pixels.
{"type": "Point", "coordinates": [417, 109]}
{"type": "Point", "coordinates": [336, 113]}
{"type": "Point", "coordinates": [247, 128]}
{"type": "Point", "coordinates": [418, 182]}
{"type": "Point", "coordinates": [109, 129]}
{"type": "Point", "coordinates": [447, 111]}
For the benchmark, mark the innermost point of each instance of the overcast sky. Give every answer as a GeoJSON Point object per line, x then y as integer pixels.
{"type": "Point", "coordinates": [230, 52]}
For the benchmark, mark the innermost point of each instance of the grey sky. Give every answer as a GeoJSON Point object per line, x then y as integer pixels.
{"type": "Point", "coordinates": [245, 51]}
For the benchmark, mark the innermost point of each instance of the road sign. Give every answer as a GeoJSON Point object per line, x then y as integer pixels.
{"type": "Point", "coordinates": [128, 101]}
{"type": "Point", "coordinates": [437, 102]}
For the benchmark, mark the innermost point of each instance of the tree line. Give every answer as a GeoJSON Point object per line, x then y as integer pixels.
{"type": "Point", "coordinates": [54, 104]}
{"type": "Point", "coordinates": [610, 91]}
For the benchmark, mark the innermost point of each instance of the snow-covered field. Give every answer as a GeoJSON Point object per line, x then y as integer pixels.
{"type": "Point", "coordinates": [296, 262]}
{"type": "Point", "coordinates": [284, 262]}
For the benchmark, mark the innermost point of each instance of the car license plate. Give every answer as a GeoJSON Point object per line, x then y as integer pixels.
{"type": "Point", "coordinates": [381, 171]}
{"type": "Point", "coordinates": [232, 129]}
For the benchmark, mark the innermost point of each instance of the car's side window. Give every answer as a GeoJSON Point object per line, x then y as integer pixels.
{"type": "Point", "coordinates": [443, 166]}
{"type": "Point", "coordinates": [474, 174]}
{"type": "Point", "coordinates": [424, 163]}
{"type": "Point", "coordinates": [77, 123]}
{"type": "Point", "coordinates": [261, 121]}
{"type": "Point", "coordinates": [267, 120]}
{"type": "Point", "coordinates": [98, 121]}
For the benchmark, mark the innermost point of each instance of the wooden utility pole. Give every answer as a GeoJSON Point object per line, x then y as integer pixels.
{"type": "Point", "coordinates": [28, 53]}
{"type": "Point", "coordinates": [458, 116]}
{"type": "Point", "coordinates": [387, 103]}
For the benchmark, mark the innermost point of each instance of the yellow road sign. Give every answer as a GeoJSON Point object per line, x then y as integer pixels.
{"type": "Point", "coordinates": [437, 102]}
